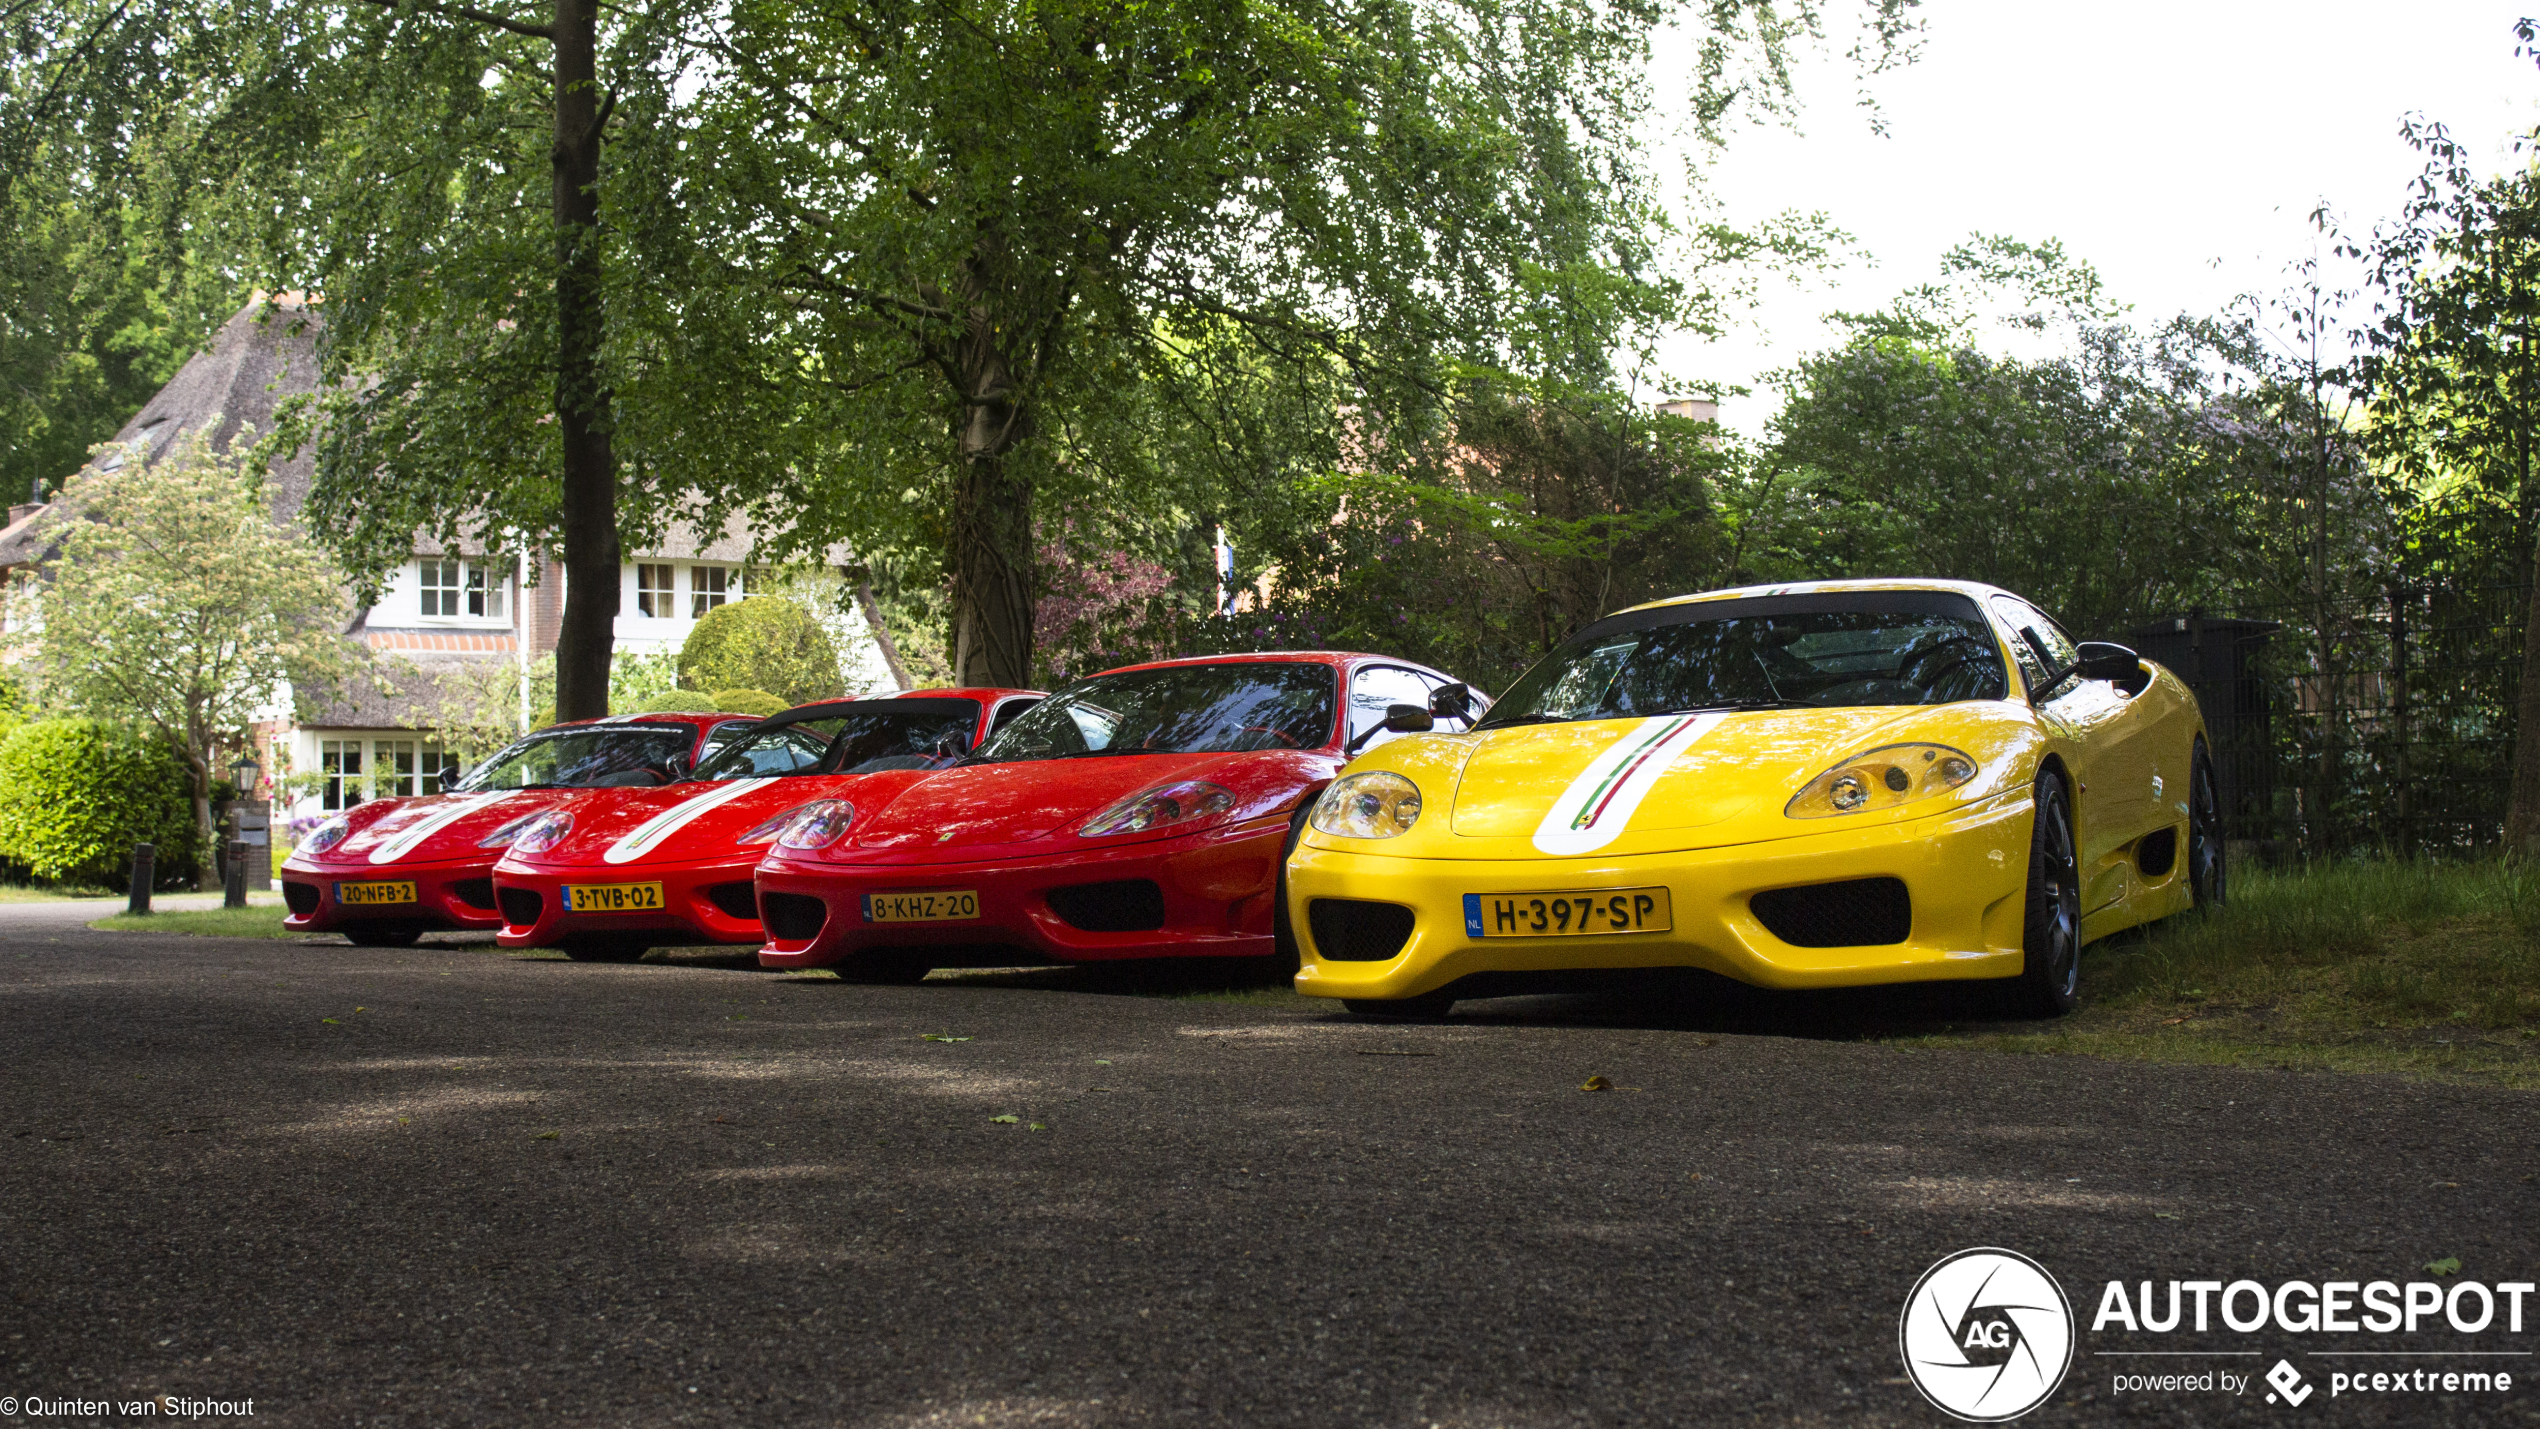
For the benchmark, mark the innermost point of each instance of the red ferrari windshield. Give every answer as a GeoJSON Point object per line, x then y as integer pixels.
{"type": "Point", "coordinates": [603, 756]}
{"type": "Point", "coordinates": [1177, 709]}
{"type": "Point", "coordinates": [852, 739]}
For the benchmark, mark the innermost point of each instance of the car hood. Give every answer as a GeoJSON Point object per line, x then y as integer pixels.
{"type": "Point", "coordinates": [698, 821]}
{"type": "Point", "coordinates": [433, 828]}
{"type": "Point", "coordinates": [976, 809]}
{"type": "Point", "coordinates": [1629, 786]}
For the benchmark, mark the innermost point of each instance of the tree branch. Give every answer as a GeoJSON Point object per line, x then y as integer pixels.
{"type": "Point", "coordinates": [464, 12]}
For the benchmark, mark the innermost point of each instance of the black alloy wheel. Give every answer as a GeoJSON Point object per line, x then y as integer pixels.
{"type": "Point", "coordinates": [382, 935]}
{"type": "Point", "coordinates": [1427, 1007]}
{"type": "Point", "coordinates": [2049, 984]}
{"type": "Point", "coordinates": [2205, 871]}
{"type": "Point", "coordinates": [604, 950]}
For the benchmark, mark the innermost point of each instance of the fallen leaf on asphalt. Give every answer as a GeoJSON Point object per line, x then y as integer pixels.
{"type": "Point", "coordinates": [1693, 1176]}
{"type": "Point", "coordinates": [1596, 1084]}
{"type": "Point", "coordinates": [2164, 1216]}
{"type": "Point", "coordinates": [331, 1022]}
{"type": "Point", "coordinates": [940, 1037]}
{"type": "Point", "coordinates": [2448, 1265]}
{"type": "Point", "coordinates": [1100, 1062]}
{"type": "Point", "coordinates": [1036, 1126]}
{"type": "Point", "coordinates": [361, 1009]}
{"type": "Point", "coordinates": [1007, 1120]}
{"type": "Point", "coordinates": [547, 1135]}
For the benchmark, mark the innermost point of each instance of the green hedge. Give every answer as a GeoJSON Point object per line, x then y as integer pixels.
{"type": "Point", "coordinates": [763, 643]}
{"type": "Point", "coordinates": [749, 702]}
{"type": "Point", "coordinates": [672, 702]}
{"type": "Point", "coordinates": [77, 794]}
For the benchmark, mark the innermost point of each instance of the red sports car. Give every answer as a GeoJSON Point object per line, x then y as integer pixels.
{"type": "Point", "coordinates": [384, 872]}
{"type": "Point", "coordinates": [1141, 814]}
{"type": "Point", "coordinates": [613, 873]}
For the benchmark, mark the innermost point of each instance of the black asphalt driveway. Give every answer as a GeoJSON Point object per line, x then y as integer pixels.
{"type": "Point", "coordinates": [443, 1185]}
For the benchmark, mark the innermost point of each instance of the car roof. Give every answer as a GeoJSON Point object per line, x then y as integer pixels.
{"type": "Point", "coordinates": [1976, 590]}
{"type": "Point", "coordinates": [1335, 658]}
{"type": "Point", "coordinates": [687, 717]}
{"type": "Point", "coordinates": [984, 694]}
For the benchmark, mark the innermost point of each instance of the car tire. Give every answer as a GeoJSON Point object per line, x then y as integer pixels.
{"type": "Point", "coordinates": [1285, 956]}
{"type": "Point", "coordinates": [604, 950]}
{"type": "Point", "coordinates": [2049, 984]}
{"type": "Point", "coordinates": [1427, 1007]}
{"type": "Point", "coordinates": [2206, 874]}
{"type": "Point", "coordinates": [382, 937]}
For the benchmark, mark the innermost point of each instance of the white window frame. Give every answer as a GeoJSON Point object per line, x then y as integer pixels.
{"type": "Point", "coordinates": [710, 587]}
{"type": "Point", "coordinates": [657, 602]}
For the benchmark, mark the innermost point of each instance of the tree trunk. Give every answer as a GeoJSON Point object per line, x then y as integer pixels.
{"type": "Point", "coordinates": [992, 555]}
{"type": "Point", "coordinates": [588, 629]}
{"type": "Point", "coordinates": [206, 840]}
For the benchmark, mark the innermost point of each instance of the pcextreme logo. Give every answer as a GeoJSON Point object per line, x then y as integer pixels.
{"type": "Point", "coordinates": [1987, 1335]}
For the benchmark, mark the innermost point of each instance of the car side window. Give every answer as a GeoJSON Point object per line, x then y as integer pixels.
{"type": "Point", "coordinates": [1007, 711]}
{"type": "Point", "coordinates": [719, 737]}
{"type": "Point", "coordinates": [1376, 688]}
{"type": "Point", "coordinates": [2022, 616]}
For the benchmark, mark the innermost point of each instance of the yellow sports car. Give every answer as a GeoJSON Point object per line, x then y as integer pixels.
{"type": "Point", "coordinates": [1798, 786]}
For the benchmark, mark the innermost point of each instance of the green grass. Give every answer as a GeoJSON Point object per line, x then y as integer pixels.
{"type": "Point", "coordinates": [2424, 968]}
{"type": "Point", "coordinates": [263, 922]}
{"type": "Point", "coordinates": [24, 893]}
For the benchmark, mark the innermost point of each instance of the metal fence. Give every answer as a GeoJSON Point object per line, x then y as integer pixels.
{"type": "Point", "coordinates": [2383, 726]}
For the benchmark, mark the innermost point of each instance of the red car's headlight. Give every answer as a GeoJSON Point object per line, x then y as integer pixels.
{"type": "Point", "coordinates": [327, 835]}
{"type": "Point", "coordinates": [815, 825]}
{"type": "Point", "coordinates": [1190, 802]}
{"type": "Point", "coordinates": [544, 831]}
{"type": "Point", "coordinates": [503, 835]}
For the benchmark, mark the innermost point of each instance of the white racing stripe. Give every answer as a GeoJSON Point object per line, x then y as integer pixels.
{"type": "Point", "coordinates": [669, 821]}
{"type": "Point", "coordinates": [1598, 805]}
{"type": "Point", "coordinates": [407, 839]}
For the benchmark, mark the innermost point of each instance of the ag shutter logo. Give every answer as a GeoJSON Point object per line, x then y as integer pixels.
{"type": "Point", "coordinates": [1987, 1335]}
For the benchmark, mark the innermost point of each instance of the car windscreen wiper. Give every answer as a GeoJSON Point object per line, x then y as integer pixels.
{"type": "Point", "coordinates": [1495, 722]}
{"type": "Point", "coordinates": [1729, 707]}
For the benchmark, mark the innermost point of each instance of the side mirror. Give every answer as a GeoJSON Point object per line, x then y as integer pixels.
{"type": "Point", "coordinates": [2101, 660]}
{"type": "Point", "coordinates": [450, 776]}
{"type": "Point", "coordinates": [1399, 719]}
{"type": "Point", "coordinates": [1452, 702]}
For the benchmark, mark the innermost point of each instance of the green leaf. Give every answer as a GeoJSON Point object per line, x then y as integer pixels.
{"type": "Point", "coordinates": [940, 1037]}
{"type": "Point", "coordinates": [2448, 1265]}
{"type": "Point", "coordinates": [1007, 1120]}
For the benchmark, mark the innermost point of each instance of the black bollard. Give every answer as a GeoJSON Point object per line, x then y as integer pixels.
{"type": "Point", "coordinates": [142, 855]}
{"type": "Point", "coordinates": [234, 883]}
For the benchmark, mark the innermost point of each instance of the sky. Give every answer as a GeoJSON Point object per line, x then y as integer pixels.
{"type": "Point", "coordinates": [2178, 147]}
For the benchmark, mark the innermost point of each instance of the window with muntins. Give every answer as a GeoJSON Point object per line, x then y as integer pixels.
{"type": "Point", "coordinates": [484, 592]}
{"type": "Point", "coordinates": [340, 762]}
{"type": "Point", "coordinates": [440, 581]}
{"type": "Point", "coordinates": [708, 587]}
{"type": "Point", "coordinates": [654, 591]}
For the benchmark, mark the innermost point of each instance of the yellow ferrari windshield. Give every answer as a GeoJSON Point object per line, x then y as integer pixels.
{"type": "Point", "coordinates": [1728, 656]}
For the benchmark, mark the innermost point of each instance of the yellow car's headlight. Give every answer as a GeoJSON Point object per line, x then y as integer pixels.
{"type": "Point", "coordinates": [1376, 805]}
{"type": "Point", "coordinates": [1882, 779]}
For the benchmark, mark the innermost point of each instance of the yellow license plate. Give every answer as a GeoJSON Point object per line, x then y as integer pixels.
{"type": "Point", "coordinates": [937, 907]}
{"type": "Point", "coordinates": [612, 898]}
{"type": "Point", "coordinates": [360, 895]}
{"type": "Point", "coordinates": [1567, 915]}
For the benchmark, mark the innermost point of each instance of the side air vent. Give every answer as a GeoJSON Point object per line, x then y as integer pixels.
{"type": "Point", "coordinates": [2156, 853]}
{"type": "Point", "coordinates": [301, 897]}
{"type": "Point", "coordinates": [1858, 913]}
{"type": "Point", "coordinates": [521, 906]}
{"type": "Point", "coordinates": [793, 917]}
{"type": "Point", "coordinates": [1131, 905]}
{"type": "Point", "coordinates": [1351, 930]}
{"type": "Point", "coordinates": [474, 892]}
{"type": "Point", "coordinates": [734, 900]}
